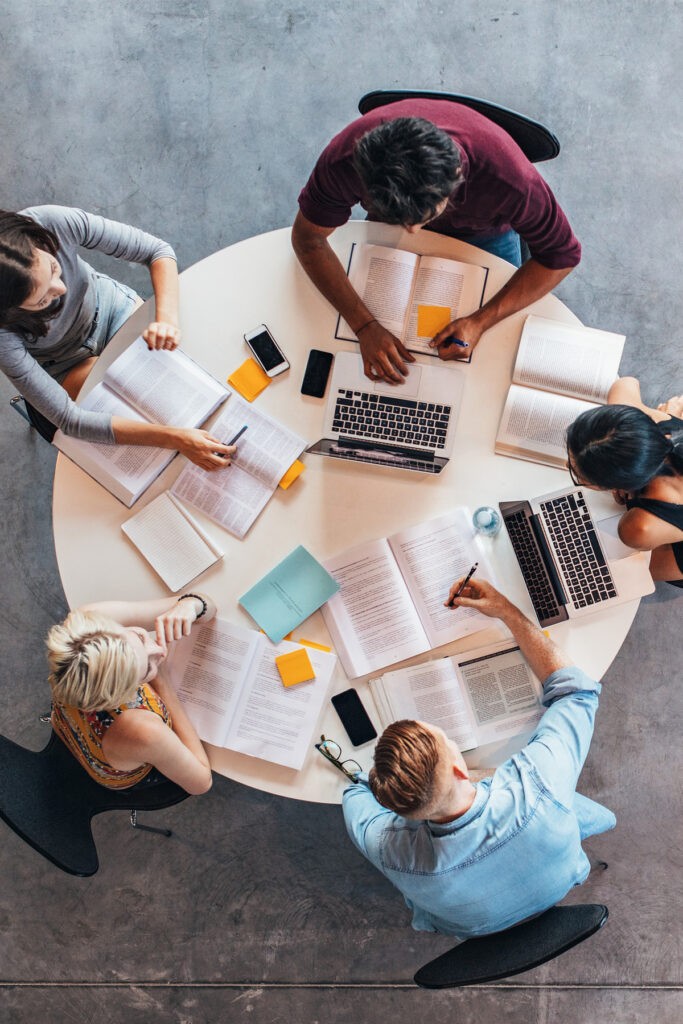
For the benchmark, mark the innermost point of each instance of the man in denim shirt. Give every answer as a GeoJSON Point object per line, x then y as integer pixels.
{"type": "Point", "coordinates": [471, 859]}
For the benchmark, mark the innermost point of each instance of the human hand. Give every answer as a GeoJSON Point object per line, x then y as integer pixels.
{"type": "Point", "coordinates": [673, 406]}
{"type": "Point", "coordinates": [162, 334]}
{"type": "Point", "coordinates": [205, 450]}
{"type": "Point", "coordinates": [465, 330]}
{"type": "Point", "coordinates": [177, 621]}
{"type": "Point", "coordinates": [481, 595]}
{"type": "Point", "coordinates": [384, 357]}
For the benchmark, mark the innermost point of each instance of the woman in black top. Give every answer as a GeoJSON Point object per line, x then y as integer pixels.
{"type": "Point", "coordinates": [637, 453]}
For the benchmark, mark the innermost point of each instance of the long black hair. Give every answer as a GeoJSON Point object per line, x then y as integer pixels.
{"type": "Point", "coordinates": [619, 447]}
{"type": "Point", "coordinates": [20, 236]}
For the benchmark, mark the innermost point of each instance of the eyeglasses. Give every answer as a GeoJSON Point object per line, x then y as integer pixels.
{"type": "Point", "coordinates": [332, 752]}
{"type": "Point", "coordinates": [572, 473]}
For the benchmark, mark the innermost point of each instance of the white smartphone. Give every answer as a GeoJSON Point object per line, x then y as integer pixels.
{"type": "Point", "coordinates": [266, 351]}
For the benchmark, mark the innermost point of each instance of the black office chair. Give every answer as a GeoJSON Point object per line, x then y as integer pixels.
{"type": "Point", "coordinates": [535, 140]}
{"type": "Point", "coordinates": [49, 800]}
{"type": "Point", "coordinates": [36, 419]}
{"type": "Point", "coordinates": [515, 950]}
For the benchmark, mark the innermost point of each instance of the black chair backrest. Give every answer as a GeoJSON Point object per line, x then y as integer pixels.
{"type": "Point", "coordinates": [535, 140]}
{"type": "Point", "coordinates": [515, 950]}
{"type": "Point", "coordinates": [49, 800]}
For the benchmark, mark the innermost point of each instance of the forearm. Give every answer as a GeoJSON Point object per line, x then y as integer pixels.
{"type": "Point", "coordinates": [142, 433]}
{"type": "Point", "coordinates": [143, 613]}
{"type": "Point", "coordinates": [544, 656]}
{"type": "Point", "coordinates": [164, 275]}
{"type": "Point", "coordinates": [182, 726]}
{"type": "Point", "coordinates": [531, 282]}
{"type": "Point", "coordinates": [328, 275]}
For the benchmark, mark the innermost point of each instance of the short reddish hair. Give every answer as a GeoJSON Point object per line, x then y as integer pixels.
{"type": "Point", "coordinates": [404, 774]}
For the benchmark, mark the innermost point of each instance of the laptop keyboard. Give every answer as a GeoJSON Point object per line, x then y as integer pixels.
{"type": "Point", "coordinates": [578, 550]}
{"type": "Point", "coordinates": [396, 421]}
{"type": "Point", "coordinates": [533, 567]}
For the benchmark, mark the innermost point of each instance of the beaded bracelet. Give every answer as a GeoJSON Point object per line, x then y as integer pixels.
{"type": "Point", "coordinates": [197, 597]}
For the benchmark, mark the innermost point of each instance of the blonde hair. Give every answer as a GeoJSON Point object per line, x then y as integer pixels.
{"type": "Point", "coordinates": [404, 774]}
{"type": "Point", "coordinates": [92, 666]}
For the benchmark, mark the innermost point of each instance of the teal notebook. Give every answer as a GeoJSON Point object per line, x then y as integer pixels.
{"type": "Point", "coordinates": [288, 594]}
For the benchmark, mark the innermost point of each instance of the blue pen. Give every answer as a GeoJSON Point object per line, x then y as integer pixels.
{"type": "Point", "coordinates": [458, 341]}
{"type": "Point", "coordinates": [238, 434]}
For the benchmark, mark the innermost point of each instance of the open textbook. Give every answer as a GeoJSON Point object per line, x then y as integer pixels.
{"type": "Point", "coordinates": [172, 541]}
{"type": "Point", "coordinates": [391, 603]}
{"type": "Point", "coordinates": [226, 677]}
{"type": "Point", "coordinates": [561, 370]}
{"type": "Point", "coordinates": [394, 284]}
{"type": "Point", "coordinates": [157, 387]}
{"type": "Point", "coordinates": [478, 697]}
{"type": "Point", "coordinates": [234, 497]}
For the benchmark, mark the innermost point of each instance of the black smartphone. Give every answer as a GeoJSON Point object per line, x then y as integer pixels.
{"type": "Point", "coordinates": [354, 717]}
{"type": "Point", "coordinates": [317, 372]}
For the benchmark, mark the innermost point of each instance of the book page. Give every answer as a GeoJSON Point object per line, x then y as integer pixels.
{"type": "Point", "coordinates": [229, 496]}
{"type": "Point", "coordinates": [383, 278]}
{"type": "Point", "coordinates": [430, 693]}
{"type": "Point", "coordinates": [208, 669]}
{"type": "Point", "coordinates": [372, 620]}
{"type": "Point", "coordinates": [267, 449]}
{"type": "Point", "coordinates": [503, 692]}
{"type": "Point", "coordinates": [124, 469]}
{"type": "Point", "coordinates": [442, 282]}
{"type": "Point", "coordinates": [275, 722]}
{"type": "Point", "coordinates": [431, 556]}
{"type": "Point", "coordinates": [165, 387]}
{"type": "Point", "coordinates": [534, 425]}
{"type": "Point", "coordinates": [171, 541]}
{"type": "Point", "coordinates": [582, 362]}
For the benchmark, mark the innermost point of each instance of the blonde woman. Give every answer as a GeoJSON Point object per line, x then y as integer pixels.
{"type": "Point", "coordinates": [112, 706]}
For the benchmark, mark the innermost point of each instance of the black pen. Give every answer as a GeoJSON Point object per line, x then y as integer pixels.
{"type": "Point", "coordinates": [238, 434]}
{"type": "Point", "coordinates": [464, 583]}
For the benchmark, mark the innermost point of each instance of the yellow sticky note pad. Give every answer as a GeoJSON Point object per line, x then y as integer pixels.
{"type": "Point", "coordinates": [295, 667]}
{"type": "Point", "coordinates": [431, 319]}
{"type": "Point", "coordinates": [249, 379]}
{"type": "Point", "coordinates": [294, 471]}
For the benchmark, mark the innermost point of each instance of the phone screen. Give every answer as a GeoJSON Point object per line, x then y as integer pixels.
{"type": "Point", "coordinates": [317, 372]}
{"type": "Point", "coordinates": [354, 717]}
{"type": "Point", "coordinates": [266, 351]}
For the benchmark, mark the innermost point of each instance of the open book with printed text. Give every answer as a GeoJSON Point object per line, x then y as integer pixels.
{"type": "Point", "coordinates": [234, 497]}
{"type": "Point", "coordinates": [390, 605]}
{"type": "Point", "coordinates": [561, 370]}
{"type": "Point", "coordinates": [412, 296]}
{"type": "Point", "coordinates": [478, 697]}
{"type": "Point", "coordinates": [226, 677]}
{"type": "Point", "coordinates": [157, 387]}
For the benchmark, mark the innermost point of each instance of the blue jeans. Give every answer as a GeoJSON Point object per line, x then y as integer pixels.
{"type": "Point", "coordinates": [507, 246]}
{"type": "Point", "coordinates": [115, 303]}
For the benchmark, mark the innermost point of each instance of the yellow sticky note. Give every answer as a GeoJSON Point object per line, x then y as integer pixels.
{"type": "Point", "coordinates": [295, 667]}
{"type": "Point", "coordinates": [431, 319]}
{"type": "Point", "coordinates": [312, 643]}
{"type": "Point", "coordinates": [249, 379]}
{"type": "Point", "coordinates": [294, 471]}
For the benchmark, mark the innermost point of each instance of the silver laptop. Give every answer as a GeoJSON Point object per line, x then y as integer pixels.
{"type": "Point", "coordinates": [407, 426]}
{"type": "Point", "coordinates": [572, 566]}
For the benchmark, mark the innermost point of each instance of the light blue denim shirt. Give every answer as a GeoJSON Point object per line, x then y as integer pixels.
{"type": "Point", "coordinates": [517, 850]}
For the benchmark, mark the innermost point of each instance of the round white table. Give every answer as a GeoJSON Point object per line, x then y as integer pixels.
{"type": "Point", "coordinates": [333, 505]}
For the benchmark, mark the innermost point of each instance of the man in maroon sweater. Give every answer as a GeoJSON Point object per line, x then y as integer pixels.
{"type": "Point", "coordinates": [438, 165]}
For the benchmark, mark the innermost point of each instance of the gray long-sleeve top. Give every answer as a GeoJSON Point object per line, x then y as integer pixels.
{"type": "Point", "coordinates": [23, 361]}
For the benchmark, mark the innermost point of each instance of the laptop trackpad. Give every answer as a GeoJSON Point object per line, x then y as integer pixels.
{"type": "Point", "coordinates": [612, 544]}
{"type": "Point", "coordinates": [409, 388]}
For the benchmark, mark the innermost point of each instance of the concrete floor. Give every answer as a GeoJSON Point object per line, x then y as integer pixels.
{"type": "Point", "coordinates": [200, 120]}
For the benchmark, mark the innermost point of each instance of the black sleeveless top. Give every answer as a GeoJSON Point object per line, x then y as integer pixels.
{"type": "Point", "coordinates": [669, 511]}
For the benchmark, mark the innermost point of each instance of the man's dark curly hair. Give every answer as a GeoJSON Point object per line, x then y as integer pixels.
{"type": "Point", "coordinates": [408, 166]}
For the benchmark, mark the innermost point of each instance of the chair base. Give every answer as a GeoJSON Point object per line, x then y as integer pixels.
{"type": "Point", "coordinates": [148, 828]}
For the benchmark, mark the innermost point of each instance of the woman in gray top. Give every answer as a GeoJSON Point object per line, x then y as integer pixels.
{"type": "Point", "coordinates": [57, 314]}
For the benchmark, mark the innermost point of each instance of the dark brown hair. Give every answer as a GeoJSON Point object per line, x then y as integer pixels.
{"type": "Point", "coordinates": [403, 776]}
{"type": "Point", "coordinates": [20, 236]}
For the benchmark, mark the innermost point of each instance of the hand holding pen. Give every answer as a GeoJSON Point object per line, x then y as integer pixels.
{"type": "Point", "coordinates": [459, 586]}
{"type": "Point", "coordinates": [232, 443]}
{"type": "Point", "coordinates": [459, 339]}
